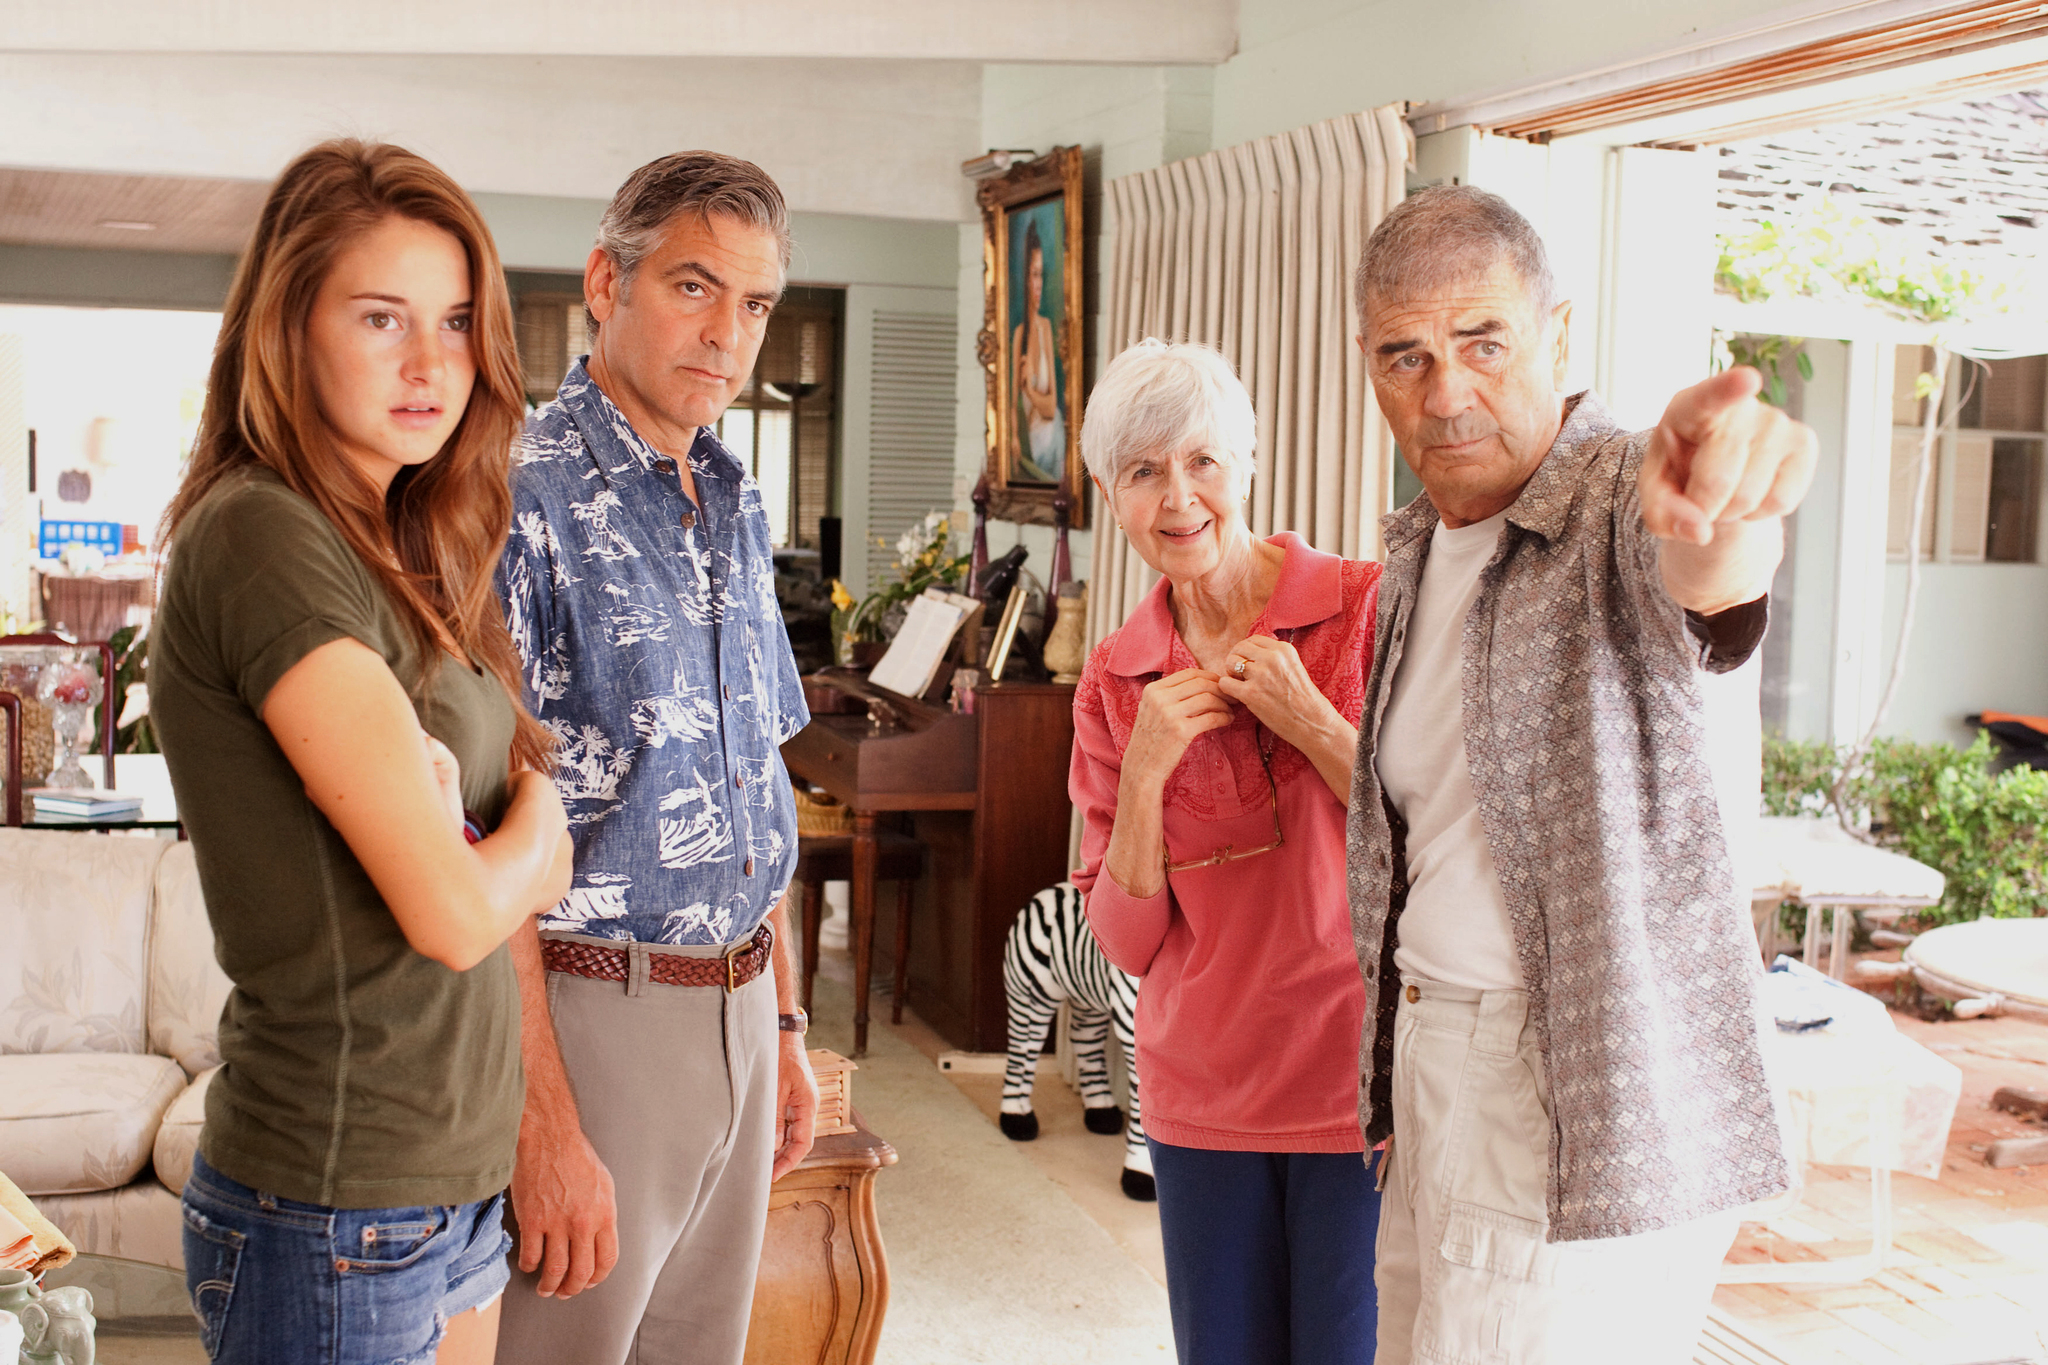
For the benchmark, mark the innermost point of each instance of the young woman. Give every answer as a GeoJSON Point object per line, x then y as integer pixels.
{"type": "Point", "coordinates": [333, 686]}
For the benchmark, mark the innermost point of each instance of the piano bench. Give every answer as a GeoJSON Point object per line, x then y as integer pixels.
{"type": "Point", "coordinates": [822, 858]}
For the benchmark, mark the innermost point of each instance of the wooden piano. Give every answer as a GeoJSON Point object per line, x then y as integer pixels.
{"type": "Point", "coordinates": [987, 793]}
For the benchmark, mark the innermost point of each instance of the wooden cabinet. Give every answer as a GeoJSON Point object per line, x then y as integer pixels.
{"type": "Point", "coordinates": [986, 864]}
{"type": "Point", "coordinates": [987, 794]}
{"type": "Point", "coordinates": [824, 1279]}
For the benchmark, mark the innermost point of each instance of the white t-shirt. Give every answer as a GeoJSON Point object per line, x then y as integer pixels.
{"type": "Point", "coordinates": [1455, 928]}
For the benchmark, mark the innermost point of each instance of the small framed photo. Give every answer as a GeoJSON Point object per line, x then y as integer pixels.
{"type": "Point", "coordinates": [1006, 633]}
{"type": "Point", "coordinates": [1031, 337]}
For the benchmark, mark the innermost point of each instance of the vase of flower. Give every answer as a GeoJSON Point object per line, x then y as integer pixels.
{"type": "Point", "coordinates": [924, 559]}
{"type": "Point", "coordinates": [70, 687]}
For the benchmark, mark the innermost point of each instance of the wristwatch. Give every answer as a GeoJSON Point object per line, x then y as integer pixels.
{"type": "Point", "coordinates": [793, 1023]}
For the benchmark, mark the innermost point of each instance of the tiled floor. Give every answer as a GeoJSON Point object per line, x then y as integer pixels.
{"type": "Point", "coordinates": [1967, 1283]}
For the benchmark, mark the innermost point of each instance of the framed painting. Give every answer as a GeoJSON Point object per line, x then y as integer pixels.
{"type": "Point", "coordinates": [1030, 342]}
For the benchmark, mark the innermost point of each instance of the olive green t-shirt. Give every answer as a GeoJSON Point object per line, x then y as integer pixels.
{"type": "Point", "coordinates": [359, 1073]}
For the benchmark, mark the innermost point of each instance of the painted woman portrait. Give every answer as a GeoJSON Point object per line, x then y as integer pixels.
{"type": "Point", "coordinates": [1038, 371]}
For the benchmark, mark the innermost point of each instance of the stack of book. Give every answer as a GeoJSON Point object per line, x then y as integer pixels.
{"type": "Point", "coordinates": [835, 1091]}
{"type": "Point", "coordinates": [85, 801]}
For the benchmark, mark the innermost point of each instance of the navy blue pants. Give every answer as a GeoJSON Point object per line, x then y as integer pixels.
{"type": "Point", "coordinates": [1269, 1255]}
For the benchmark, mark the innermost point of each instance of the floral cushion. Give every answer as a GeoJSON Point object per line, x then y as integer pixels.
{"type": "Point", "coordinates": [138, 1222]}
{"type": "Point", "coordinates": [186, 985]}
{"type": "Point", "coordinates": [74, 929]}
{"type": "Point", "coordinates": [70, 1124]}
{"type": "Point", "coordinates": [178, 1140]}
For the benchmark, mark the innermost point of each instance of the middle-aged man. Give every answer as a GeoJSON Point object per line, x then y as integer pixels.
{"type": "Point", "coordinates": [639, 588]}
{"type": "Point", "coordinates": [1560, 1033]}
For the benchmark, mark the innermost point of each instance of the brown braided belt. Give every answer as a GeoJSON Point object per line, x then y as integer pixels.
{"type": "Point", "coordinates": [732, 971]}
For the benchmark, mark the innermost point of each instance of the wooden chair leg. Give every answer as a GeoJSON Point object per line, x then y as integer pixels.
{"type": "Point", "coordinates": [904, 890]}
{"type": "Point", "coordinates": [862, 935]}
{"type": "Point", "coordinates": [814, 893]}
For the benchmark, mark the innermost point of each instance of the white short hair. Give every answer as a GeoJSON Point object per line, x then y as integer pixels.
{"type": "Point", "coordinates": [1163, 398]}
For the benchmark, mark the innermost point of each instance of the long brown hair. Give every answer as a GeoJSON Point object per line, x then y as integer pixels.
{"type": "Point", "coordinates": [434, 539]}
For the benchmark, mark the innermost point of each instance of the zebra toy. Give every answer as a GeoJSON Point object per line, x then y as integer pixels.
{"type": "Point", "coordinates": [1052, 956]}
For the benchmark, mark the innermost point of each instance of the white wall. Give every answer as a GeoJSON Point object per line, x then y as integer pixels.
{"type": "Point", "coordinates": [548, 232]}
{"type": "Point", "coordinates": [1137, 116]}
{"type": "Point", "coordinates": [1980, 639]}
{"type": "Point", "coordinates": [1802, 619]}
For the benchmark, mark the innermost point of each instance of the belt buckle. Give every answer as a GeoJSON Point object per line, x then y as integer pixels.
{"type": "Point", "coordinates": [732, 970]}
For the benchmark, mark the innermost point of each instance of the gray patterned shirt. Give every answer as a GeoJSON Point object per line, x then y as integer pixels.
{"type": "Point", "coordinates": [1584, 734]}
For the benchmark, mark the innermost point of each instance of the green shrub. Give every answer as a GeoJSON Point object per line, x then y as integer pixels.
{"type": "Point", "coordinates": [1797, 775]}
{"type": "Point", "coordinates": [1986, 832]}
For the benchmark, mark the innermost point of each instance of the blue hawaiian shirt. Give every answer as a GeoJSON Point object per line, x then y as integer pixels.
{"type": "Point", "coordinates": [654, 653]}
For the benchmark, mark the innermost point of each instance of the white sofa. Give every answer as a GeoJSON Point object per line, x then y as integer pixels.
{"type": "Point", "coordinates": [110, 1003]}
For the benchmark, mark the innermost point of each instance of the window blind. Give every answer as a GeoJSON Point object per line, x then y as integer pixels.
{"type": "Point", "coordinates": [910, 428]}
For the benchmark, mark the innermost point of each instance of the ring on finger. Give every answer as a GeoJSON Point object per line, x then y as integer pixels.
{"type": "Point", "coordinates": [1237, 669]}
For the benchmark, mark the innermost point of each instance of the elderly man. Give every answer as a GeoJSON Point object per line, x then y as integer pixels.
{"type": "Point", "coordinates": [639, 588]}
{"type": "Point", "coordinates": [1560, 1033]}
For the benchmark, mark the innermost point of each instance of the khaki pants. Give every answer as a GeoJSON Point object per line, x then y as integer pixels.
{"type": "Point", "coordinates": [677, 1087]}
{"type": "Point", "coordinates": [1464, 1272]}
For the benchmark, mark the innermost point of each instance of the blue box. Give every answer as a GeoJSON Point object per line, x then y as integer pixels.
{"type": "Point", "coordinates": [104, 536]}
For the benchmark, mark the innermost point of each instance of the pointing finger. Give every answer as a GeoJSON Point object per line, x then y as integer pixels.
{"type": "Point", "coordinates": [1695, 412]}
{"type": "Point", "coordinates": [1794, 477]}
{"type": "Point", "coordinates": [1667, 513]}
{"type": "Point", "coordinates": [1726, 446]}
{"type": "Point", "coordinates": [1764, 457]}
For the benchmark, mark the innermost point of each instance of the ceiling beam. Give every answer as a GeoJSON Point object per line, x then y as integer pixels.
{"type": "Point", "coordinates": [872, 138]}
{"type": "Point", "coordinates": [1116, 31]}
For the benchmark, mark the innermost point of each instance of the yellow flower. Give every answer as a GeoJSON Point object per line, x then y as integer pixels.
{"type": "Point", "coordinates": [841, 598]}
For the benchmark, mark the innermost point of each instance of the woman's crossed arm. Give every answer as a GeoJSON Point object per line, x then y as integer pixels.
{"type": "Point", "coordinates": [348, 729]}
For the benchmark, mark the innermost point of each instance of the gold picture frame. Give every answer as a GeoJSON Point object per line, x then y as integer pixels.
{"type": "Point", "coordinates": [1031, 338]}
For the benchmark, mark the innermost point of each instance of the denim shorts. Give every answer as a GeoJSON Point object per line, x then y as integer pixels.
{"type": "Point", "coordinates": [277, 1280]}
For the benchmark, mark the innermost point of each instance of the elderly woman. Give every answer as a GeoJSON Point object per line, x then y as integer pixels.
{"type": "Point", "coordinates": [1213, 746]}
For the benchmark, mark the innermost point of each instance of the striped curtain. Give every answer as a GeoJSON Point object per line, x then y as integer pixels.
{"type": "Point", "coordinates": [1251, 249]}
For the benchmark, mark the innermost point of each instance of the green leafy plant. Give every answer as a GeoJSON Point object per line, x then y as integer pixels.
{"type": "Point", "coordinates": [131, 666]}
{"type": "Point", "coordinates": [1985, 831]}
{"type": "Point", "coordinates": [1832, 252]}
{"type": "Point", "coordinates": [1766, 354]}
{"type": "Point", "coordinates": [1798, 775]}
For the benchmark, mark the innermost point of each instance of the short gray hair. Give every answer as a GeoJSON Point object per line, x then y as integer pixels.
{"type": "Point", "coordinates": [703, 183]}
{"type": "Point", "coordinates": [1160, 397]}
{"type": "Point", "coordinates": [1445, 234]}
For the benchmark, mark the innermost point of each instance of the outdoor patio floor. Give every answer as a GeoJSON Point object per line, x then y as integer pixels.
{"type": "Point", "coordinates": [1967, 1279]}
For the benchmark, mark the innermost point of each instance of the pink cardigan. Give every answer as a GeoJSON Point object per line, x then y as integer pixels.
{"type": "Point", "coordinates": [1250, 1009]}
